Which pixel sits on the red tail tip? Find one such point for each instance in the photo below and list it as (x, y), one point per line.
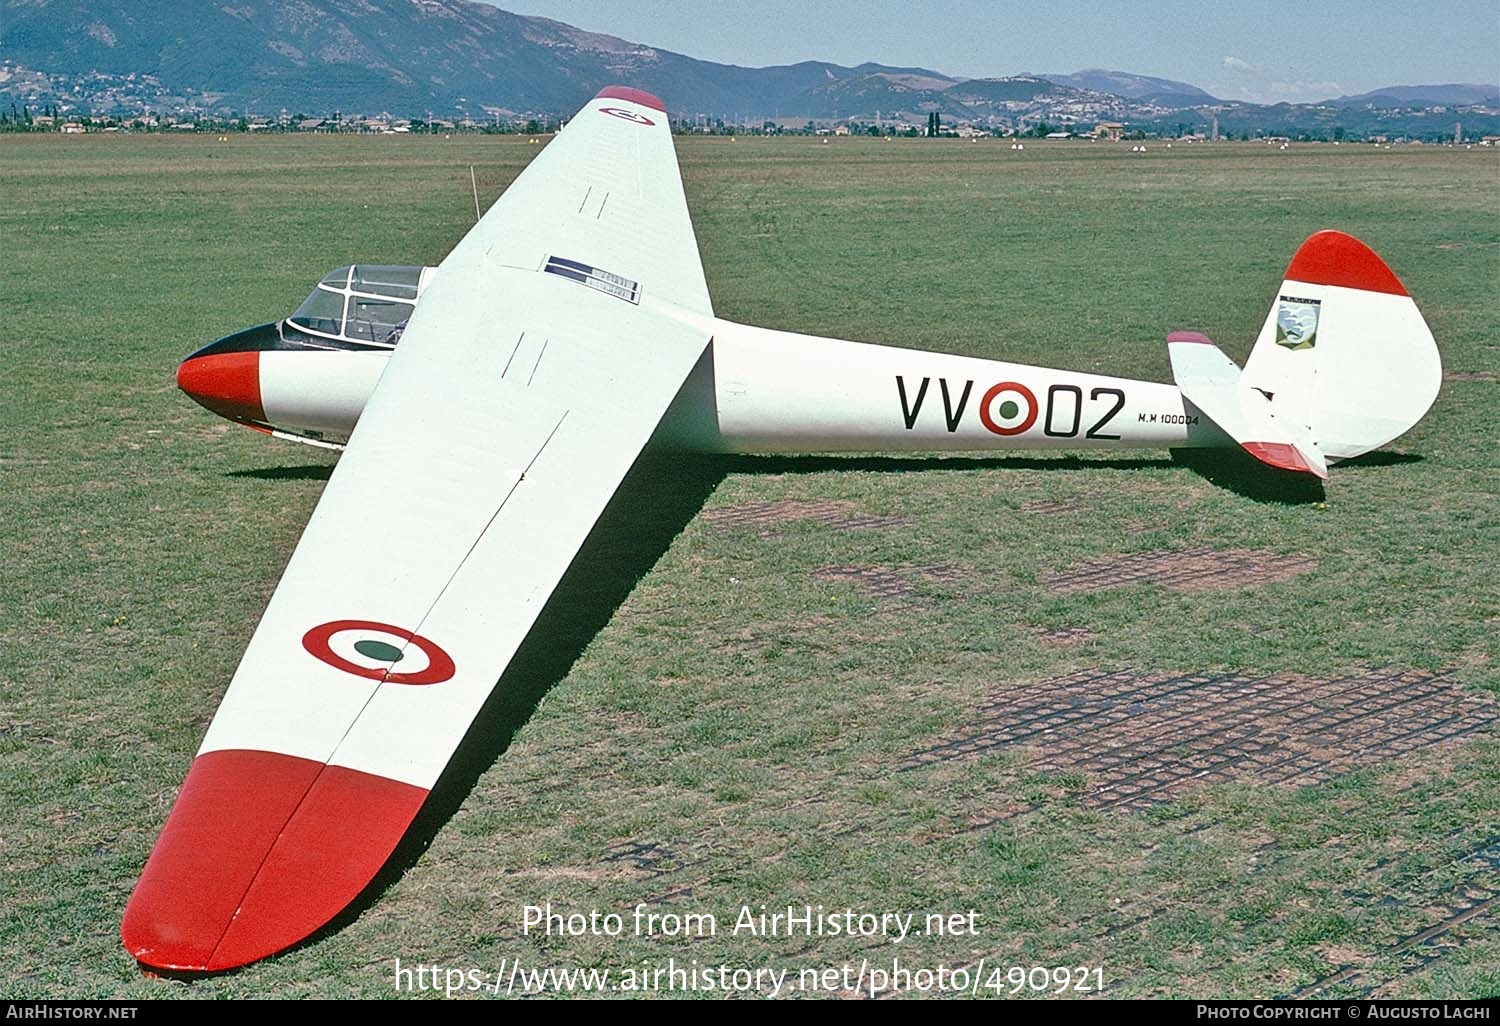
(640, 96)
(1334, 258)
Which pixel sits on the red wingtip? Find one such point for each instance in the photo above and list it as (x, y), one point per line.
(1283, 456)
(619, 92)
(1196, 338)
(1334, 258)
(260, 850)
(225, 383)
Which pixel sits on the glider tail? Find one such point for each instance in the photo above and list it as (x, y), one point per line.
(1343, 364)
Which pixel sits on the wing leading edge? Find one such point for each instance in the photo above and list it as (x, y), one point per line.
(498, 433)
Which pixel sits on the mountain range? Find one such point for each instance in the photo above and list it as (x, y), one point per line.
(1452, 94)
(462, 57)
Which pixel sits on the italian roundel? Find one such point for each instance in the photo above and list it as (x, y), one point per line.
(1008, 408)
(379, 651)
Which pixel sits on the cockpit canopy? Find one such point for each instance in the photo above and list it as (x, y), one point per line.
(366, 303)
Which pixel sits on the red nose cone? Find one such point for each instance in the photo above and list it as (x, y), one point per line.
(226, 383)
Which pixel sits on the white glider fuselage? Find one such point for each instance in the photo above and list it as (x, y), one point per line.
(778, 391)
(759, 390)
(1343, 363)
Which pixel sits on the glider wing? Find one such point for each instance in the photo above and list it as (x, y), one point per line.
(534, 369)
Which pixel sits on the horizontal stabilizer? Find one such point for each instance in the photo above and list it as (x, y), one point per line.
(1212, 382)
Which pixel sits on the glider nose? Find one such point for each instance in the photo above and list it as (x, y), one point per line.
(225, 383)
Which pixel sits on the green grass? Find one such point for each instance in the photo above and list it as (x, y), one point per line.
(731, 707)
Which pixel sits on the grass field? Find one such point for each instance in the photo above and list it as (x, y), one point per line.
(1207, 782)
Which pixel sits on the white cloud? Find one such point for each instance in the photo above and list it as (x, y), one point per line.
(1260, 86)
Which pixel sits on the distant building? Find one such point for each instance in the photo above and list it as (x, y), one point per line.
(1111, 131)
(72, 128)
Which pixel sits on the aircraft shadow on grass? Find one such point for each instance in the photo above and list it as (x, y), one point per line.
(1382, 458)
(1249, 478)
(1242, 474)
(658, 499)
(304, 472)
(1225, 465)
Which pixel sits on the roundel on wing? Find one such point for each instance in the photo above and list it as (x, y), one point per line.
(627, 115)
(1008, 408)
(379, 651)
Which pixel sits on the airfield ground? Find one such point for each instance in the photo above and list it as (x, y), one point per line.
(1213, 735)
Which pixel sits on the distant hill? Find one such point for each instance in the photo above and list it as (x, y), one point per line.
(1008, 90)
(877, 91)
(1452, 94)
(406, 55)
(458, 57)
(1135, 87)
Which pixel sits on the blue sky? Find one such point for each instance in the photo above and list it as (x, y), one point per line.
(1251, 49)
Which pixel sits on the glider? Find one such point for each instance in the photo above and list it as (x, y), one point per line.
(490, 407)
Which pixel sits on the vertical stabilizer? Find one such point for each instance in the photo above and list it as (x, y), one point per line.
(1344, 352)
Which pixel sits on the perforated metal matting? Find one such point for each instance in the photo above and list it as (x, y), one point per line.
(1142, 739)
(1066, 635)
(1046, 507)
(1199, 569)
(842, 515)
(646, 856)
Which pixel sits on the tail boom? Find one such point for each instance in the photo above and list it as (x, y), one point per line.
(775, 391)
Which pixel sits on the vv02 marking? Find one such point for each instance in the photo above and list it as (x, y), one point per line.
(1018, 409)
